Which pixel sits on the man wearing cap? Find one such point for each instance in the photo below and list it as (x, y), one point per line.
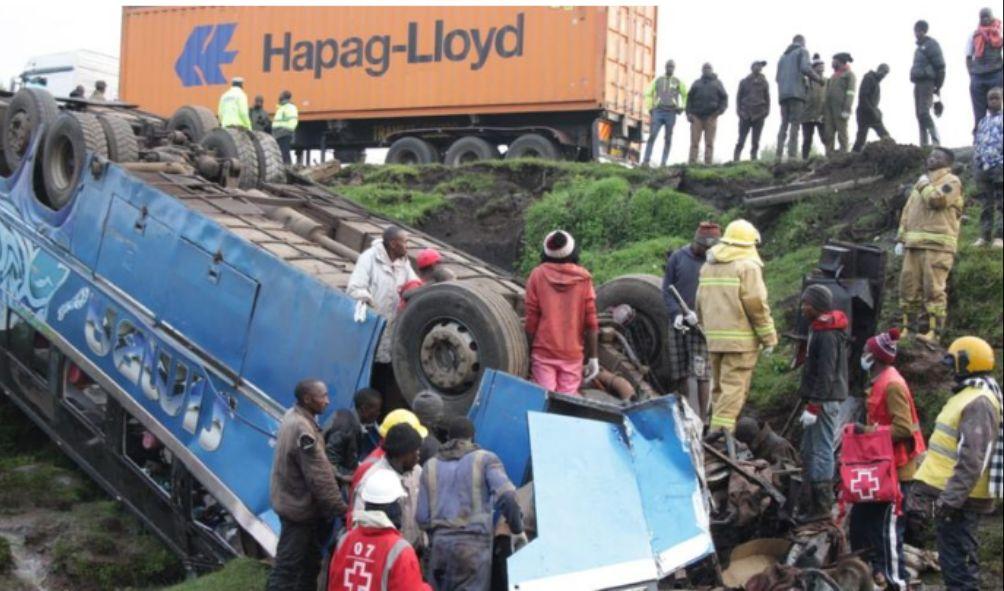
(706, 101)
(259, 117)
(875, 528)
(927, 239)
(868, 114)
(815, 97)
(793, 69)
(353, 433)
(430, 267)
(284, 124)
(560, 319)
(732, 308)
(374, 555)
(823, 388)
(665, 98)
(927, 74)
(688, 347)
(752, 106)
(840, 90)
(233, 107)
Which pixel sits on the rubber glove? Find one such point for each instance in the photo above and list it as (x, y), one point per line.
(808, 418)
(591, 370)
(360, 314)
(898, 250)
(767, 351)
(691, 318)
(678, 323)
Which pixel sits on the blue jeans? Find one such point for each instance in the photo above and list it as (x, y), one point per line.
(958, 551)
(818, 442)
(979, 86)
(661, 119)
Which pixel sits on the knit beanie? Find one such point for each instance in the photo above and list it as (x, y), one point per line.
(428, 407)
(559, 244)
(883, 346)
(708, 233)
(819, 297)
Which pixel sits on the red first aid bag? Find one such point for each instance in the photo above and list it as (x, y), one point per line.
(868, 468)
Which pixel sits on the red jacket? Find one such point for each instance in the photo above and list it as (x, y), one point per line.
(374, 558)
(560, 305)
(878, 413)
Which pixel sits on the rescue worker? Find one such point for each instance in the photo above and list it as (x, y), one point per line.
(988, 168)
(706, 101)
(876, 528)
(687, 345)
(376, 281)
(868, 114)
(393, 418)
(99, 91)
(927, 75)
(374, 554)
(461, 489)
(353, 433)
(812, 120)
(259, 117)
(823, 388)
(665, 98)
(840, 90)
(752, 106)
(284, 124)
(430, 267)
(560, 319)
(792, 91)
(961, 475)
(428, 407)
(233, 107)
(303, 492)
(984, 61)
(927, 239)
(732, 307)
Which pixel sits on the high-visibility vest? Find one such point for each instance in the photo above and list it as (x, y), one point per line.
(233, 109)
(878, 412)
(286, 117)
(942, 447)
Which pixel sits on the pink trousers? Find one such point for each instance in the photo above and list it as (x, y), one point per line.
(557, 375)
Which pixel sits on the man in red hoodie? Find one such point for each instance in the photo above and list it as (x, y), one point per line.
(561, 324)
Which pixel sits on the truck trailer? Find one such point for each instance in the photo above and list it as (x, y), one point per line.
(432, 84)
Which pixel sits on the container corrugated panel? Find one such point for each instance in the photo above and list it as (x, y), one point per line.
(364, 62)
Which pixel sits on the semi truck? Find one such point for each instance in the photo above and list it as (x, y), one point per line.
(431, 84)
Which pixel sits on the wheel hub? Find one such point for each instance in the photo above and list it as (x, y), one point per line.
(19, 132)
(449, 356)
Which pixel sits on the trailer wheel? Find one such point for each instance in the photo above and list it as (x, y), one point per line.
(195, 121)
(27, 111)
(648, 333)
(227, 143)
(122, 143)
(412, 150)
(470, 149)
(67, 142)
(446, 337)
(532, 145)
(270, 167)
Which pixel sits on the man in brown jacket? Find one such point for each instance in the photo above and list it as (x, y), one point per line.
(927, 240)
(303, 492)
(812, 119)
(840, 90)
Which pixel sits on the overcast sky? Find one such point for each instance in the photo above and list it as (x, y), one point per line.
(729, 34)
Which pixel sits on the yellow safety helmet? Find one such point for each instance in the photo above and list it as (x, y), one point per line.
(741, 233)
(969, 355)
(401, 415)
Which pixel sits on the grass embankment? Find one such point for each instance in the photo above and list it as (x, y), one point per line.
(240, 574)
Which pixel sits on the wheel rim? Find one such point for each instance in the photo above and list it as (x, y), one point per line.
(19, 132)
(449, 356)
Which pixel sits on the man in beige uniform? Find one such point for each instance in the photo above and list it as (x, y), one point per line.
(927, 239)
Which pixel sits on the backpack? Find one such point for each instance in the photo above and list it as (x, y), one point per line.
(868, 469)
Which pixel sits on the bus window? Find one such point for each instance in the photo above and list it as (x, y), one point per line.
(210, 515)
(30, 354)
(82, 394)
(147, 454)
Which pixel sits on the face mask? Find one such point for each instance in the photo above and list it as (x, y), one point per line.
(867, 361)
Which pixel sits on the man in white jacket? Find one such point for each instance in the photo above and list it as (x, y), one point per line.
(377, 279)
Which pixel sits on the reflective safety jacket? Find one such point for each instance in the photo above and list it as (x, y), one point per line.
(666, 93)
(285, 120)
(931, 217)
(374, 556)
(233, 109)
(732, 301)
(890, 404)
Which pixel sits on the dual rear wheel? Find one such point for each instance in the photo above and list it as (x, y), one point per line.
(471, 148)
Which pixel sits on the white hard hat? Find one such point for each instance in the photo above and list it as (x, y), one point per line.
(382, 488)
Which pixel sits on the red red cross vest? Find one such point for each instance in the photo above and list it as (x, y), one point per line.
(374, 559)
(878, 413)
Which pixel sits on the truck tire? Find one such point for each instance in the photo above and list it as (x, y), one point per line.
(448, 334)
(412, 150)
(28, 110)
(470, 149)
(67, 142)
(122, 143)
(648, 333)
(532, 145)
(233, 143)
(195, 121)
(270, 167)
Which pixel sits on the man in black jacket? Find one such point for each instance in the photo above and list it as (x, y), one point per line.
(353, 434)
(706, 100)
(868, 114)
(927, 75)
(823, 388)
(752, 106)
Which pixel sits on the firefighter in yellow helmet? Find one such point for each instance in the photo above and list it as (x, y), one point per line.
(732, 307)
(961, 473)
(927, 238)
(233, 108)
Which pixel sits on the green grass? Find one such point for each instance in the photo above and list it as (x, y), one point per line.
(403, 204)
(240, 574)
(6, 557)
(742, 171)
(26, 482)
(646, 256)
